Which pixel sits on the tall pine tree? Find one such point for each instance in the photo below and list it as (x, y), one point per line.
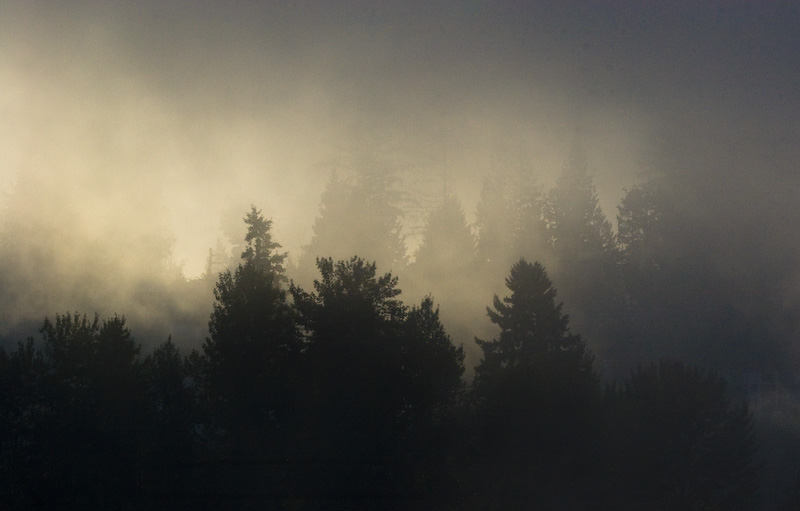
(250, 359)
(534, 332)
(536, 396)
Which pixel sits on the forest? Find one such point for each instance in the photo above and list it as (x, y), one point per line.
(399, 255)
(610, 369)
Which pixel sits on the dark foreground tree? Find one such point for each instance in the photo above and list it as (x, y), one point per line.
(381, 378)
(246, 376)
(172, 413)
(677, 442)
(535, 401)
(533, 330)
(79, 418)
(22, 413)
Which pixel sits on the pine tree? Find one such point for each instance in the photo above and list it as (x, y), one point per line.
(492, 221)
(359, 217)
(535, 398)
(578, 229)
(534, 332)
(640, 227)
(678, 442)
(250, 358)
(171, 443)
(509, 220)
(445, 266)
(260, 250)
(95, 400)
(380, 378)
(584, 252)
(445, 260)
(447, 243)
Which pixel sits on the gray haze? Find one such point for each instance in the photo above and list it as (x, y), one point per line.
(144, 129)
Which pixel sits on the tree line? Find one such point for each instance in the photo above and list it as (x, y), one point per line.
(660, 282)
(342, 396)
(664, 278)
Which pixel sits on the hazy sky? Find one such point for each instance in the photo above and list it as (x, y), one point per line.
(171, 116)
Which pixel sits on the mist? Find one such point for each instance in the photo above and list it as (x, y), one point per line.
(135, 136)
(124, 124)
(139, 134)
(188, 112)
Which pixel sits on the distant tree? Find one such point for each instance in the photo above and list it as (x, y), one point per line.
(530, 234)
(652, 277)
(447, 250)
(680, 302)
(536, 396)
(360, 216)
(380, 376)
(576, 224)
(509, 220)
(679, 442)
(585, 256)
(445, 266)
(492, 221)
(383, 216)
(641, 228)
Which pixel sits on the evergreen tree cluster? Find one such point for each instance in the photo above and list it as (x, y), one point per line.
(346, 398)
(639, 292)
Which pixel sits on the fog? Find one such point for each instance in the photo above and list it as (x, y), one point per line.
(176, 114)
(134, 136)
(646, 154)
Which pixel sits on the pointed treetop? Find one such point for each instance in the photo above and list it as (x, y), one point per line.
(533, 329)
(261, 250)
